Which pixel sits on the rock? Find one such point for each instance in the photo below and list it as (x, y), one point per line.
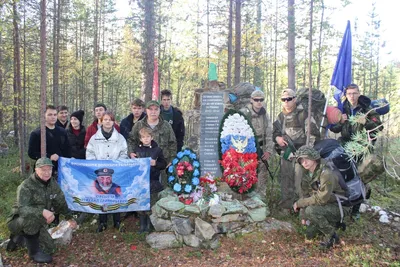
(254, 202)
(226, 227)
(171, 205)
(62, 233)
(163, 240)
(160, 225)
(233, 207)
(384, 219)
(203, 230)
(216, 211)
(376, 208)
(1, 261)
(258, 215)
(4, 244)
(223, 187)
(274, 224)
(396, 219)
(191, 241)
(160, 212)
(382, 212)
(191, 209)
(226, 218)
(211, 244)
(182, 226)
(249, 228)
(167, 192)
(363, 208)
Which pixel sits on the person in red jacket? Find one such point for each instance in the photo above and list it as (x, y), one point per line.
(99, 110)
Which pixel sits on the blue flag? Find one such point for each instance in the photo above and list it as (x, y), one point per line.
(105, 186)
(342, 75)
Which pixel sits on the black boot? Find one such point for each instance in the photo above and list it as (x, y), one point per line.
(334, 239)
(143, 223)
(101, 227)
(149, 226)
(15, 242)
(34, 251)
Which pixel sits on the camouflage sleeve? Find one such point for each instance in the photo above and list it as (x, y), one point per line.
(314, 129)
(269, 143)
(170, 153)
(373, 121)
(133, 138)
(26, 209)
(323, 194)
(275, 131)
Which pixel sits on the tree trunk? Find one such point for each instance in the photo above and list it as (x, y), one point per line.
(96, 54)
(56, 52)
(230, 31)
(275, 55)
(257, 80)
(238, 32)
(148, 48)
(310, 73)
(320, 46)
(291, 46)
(208, 33)
(1, 83)
(43, 77)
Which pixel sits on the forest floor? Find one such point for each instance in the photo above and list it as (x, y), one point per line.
(366, 242)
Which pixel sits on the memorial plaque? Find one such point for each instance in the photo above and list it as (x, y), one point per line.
(212, 111)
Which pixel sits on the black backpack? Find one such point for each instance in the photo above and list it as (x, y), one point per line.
(340, 163)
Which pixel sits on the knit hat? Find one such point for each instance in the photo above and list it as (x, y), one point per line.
(258, 93)
(78, 114)
(152, 103)
(43, 162)
(307, 152)
(289, 92)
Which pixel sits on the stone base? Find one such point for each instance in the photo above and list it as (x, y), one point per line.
(201, 226)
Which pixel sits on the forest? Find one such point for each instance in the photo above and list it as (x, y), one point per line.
(78, 53)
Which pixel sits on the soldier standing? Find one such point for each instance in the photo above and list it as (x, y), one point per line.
(290, 133)
(261, 123)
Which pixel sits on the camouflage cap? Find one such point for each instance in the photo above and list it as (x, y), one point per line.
(289, 92)
(258, 93)
(307, 152)
(152, 103)
(43, 162)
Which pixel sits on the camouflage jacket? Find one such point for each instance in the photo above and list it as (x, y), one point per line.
(294, 125)
(262, 127)
(33, 197)
(162, 134)
(363, 106)
(318, 187)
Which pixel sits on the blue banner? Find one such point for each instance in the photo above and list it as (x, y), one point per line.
(105, 186)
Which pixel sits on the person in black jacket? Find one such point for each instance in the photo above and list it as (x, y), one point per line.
(174, 116)
(137, 107)
(76, 135)
(57, 144)
(62, 116)
(149, 148)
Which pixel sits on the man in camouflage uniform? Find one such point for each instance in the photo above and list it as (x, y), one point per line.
(291, 125)
(163, 134)
(259, 119)
(38, 198)
(318, 204)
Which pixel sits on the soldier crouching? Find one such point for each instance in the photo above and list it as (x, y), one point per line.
(38, 198)
(318, 204)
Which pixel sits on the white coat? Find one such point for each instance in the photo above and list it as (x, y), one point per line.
(99, 148)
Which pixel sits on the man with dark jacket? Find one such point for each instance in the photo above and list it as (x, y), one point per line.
(173, 116)
(62, 116)
(137, 108)
(38, 198)
(57, 144)
(356, 104)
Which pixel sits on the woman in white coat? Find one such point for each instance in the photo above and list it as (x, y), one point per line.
(107, 144)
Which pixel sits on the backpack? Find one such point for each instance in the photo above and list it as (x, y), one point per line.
(317, 104)
(340, 163)
(242, 91)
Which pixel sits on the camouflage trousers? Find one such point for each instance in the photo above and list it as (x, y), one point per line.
(261, 187)
(290, 179)
(31, 226)
(324, 218)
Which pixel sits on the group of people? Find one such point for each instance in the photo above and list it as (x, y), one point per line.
(308, 182)
(152, 130)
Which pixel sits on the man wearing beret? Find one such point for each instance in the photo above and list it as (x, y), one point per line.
(38, 198)
(259, 118)
(319, 184)
(104, 184)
